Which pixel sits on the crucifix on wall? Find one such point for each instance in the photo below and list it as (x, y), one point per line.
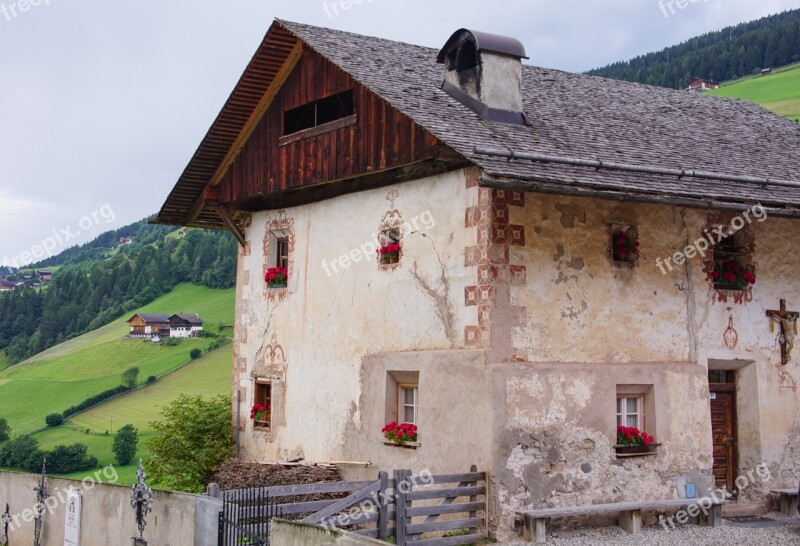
(788, 322)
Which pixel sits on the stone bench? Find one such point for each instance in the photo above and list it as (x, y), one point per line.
(630, 514)
(788, 499)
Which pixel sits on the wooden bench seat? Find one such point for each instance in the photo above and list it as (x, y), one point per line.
(630, 514)
(788, 500)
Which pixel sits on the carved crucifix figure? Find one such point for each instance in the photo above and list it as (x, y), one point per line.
(788, 322)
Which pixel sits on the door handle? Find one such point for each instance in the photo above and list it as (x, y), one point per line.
(730, 441)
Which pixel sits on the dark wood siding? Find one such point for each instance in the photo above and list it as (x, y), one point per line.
(381, 139)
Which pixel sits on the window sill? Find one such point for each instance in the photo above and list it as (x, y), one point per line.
(318, 130)
(408, 445)
(652, 451)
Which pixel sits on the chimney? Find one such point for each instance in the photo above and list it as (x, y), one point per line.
(484, 72)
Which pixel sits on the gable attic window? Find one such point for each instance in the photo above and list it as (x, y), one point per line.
(318, 117)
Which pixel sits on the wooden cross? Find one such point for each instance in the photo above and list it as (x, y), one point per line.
(788, 321)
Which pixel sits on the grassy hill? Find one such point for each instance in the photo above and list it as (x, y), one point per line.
(779, 91)
(207, 376)
(70, 372)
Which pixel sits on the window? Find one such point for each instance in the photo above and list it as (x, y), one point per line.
(282, 252)
(731, 267)
(630, 411)
(407, 404)
(318, 112)
(263, 396)
(402, 397)
(624, 244)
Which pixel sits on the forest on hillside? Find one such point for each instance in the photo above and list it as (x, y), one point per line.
(100, 281)
(718, 56)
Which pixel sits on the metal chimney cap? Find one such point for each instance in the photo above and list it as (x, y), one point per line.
(484, 41)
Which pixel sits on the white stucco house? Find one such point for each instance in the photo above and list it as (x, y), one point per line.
(516, 259)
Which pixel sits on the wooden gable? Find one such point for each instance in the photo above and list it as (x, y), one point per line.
(374, 144)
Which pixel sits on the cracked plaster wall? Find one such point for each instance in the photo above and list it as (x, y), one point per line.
(326, 324)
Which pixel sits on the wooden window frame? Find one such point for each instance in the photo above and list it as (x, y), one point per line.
(282, 252)
(263, 385)
(402, 405)
(640, 410)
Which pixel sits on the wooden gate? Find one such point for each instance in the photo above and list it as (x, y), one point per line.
(427, 509)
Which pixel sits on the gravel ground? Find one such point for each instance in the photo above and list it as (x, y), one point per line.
(727, 535)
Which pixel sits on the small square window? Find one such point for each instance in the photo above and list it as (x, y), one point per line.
(630, 411)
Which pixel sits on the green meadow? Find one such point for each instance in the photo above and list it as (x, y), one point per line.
(779, 91)
(69, 373)
(207, 376)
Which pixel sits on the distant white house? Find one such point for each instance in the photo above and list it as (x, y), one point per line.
(185, 326)
(156, 325)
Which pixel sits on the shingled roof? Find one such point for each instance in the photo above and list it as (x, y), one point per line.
(586, 135)
(589, 118)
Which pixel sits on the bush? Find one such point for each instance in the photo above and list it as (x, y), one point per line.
(130, 377)
(68, 459)
(23, 453)
(125, 442)
(94, 400)
(54, 420)
(151, 379)
(191, 441)
(170, 342)
(195, 353)
(5, 431)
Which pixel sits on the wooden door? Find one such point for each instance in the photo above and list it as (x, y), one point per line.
(723, 430)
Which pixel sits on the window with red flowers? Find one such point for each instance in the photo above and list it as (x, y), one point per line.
(635, 408)
(391, 247)
(261, 412)
(624, 245)
(732, 267)
(402, 397)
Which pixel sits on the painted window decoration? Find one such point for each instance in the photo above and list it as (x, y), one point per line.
(732, 267)
(277, 274)
(624, 245)
(390, 249)
(261, 412)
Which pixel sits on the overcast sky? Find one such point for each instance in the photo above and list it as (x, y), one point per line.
(104, 102)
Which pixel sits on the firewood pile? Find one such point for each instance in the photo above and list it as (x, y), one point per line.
(236, 474)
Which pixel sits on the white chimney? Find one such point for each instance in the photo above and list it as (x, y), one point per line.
(484, 72)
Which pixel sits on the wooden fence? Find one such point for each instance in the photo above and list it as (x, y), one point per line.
(430, 510)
